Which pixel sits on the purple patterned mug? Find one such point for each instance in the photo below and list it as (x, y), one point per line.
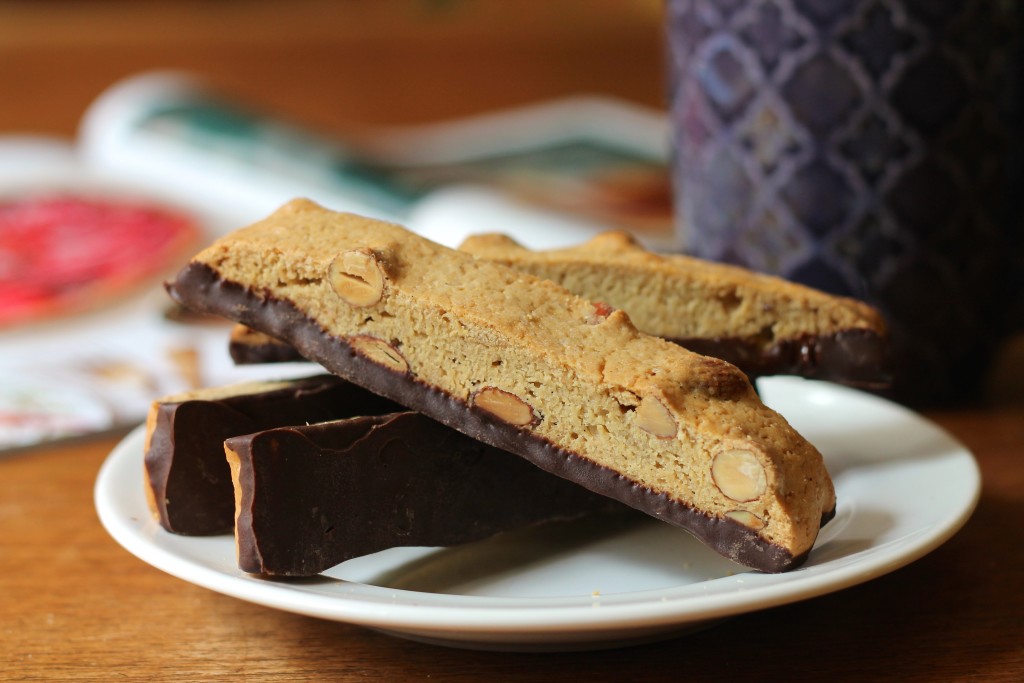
(861, 147)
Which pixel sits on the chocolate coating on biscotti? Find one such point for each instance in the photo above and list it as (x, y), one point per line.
(855, 357)
(199, 286)
(249, 347)
(312, 497)
(188, 481)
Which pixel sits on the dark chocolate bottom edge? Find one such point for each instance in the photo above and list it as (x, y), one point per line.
(243, 353)
(855, 357)
(200, 287)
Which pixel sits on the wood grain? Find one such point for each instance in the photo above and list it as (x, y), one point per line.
(331, 64)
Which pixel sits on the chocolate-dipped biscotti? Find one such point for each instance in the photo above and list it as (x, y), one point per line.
(762, 324)
(311, 497)
(188, 484)
(522, 364)
(246, 346)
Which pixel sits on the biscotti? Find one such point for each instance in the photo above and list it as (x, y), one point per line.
(764, 325)
(249, 347)
(522, 364)
(188, 484)
(310, 497)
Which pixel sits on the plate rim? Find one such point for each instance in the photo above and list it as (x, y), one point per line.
(400, 610)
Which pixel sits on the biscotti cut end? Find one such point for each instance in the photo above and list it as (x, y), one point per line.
(521, 363)
(187, 480)
(174, 462)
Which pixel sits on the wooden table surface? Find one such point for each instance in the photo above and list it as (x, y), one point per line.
(75, 606)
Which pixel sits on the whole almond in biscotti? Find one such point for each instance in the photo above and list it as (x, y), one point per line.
(520, 363)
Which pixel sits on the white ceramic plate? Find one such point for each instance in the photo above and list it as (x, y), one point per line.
(903, 485)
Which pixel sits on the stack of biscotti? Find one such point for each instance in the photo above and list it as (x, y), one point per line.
(302, 498)
(762, 324)
(188, 483)
(520, 363)
(312, 496)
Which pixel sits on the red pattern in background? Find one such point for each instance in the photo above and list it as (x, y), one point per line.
(62, 254)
